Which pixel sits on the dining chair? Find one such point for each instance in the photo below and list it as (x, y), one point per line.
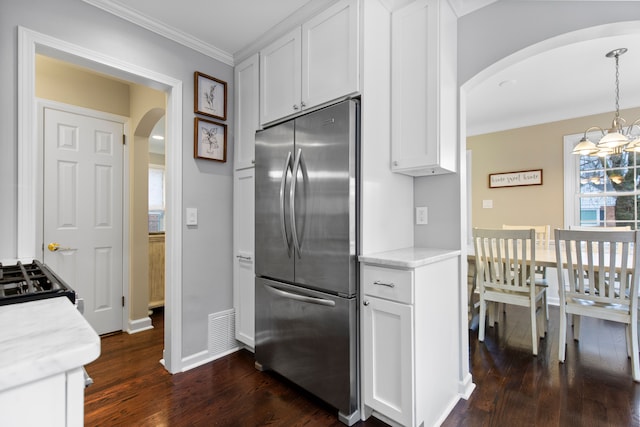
(543, 238)
(596, 228)
(597, 278)
(575, 320)
(543, 232)
(471, 288)
(505, 265)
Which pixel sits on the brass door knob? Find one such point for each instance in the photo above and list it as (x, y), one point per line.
(54, 247)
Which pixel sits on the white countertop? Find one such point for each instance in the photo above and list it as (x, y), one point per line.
(408, 257)
(43, 338)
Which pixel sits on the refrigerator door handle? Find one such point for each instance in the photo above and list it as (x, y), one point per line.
(283, 182)
(298, 297)
(299, 164)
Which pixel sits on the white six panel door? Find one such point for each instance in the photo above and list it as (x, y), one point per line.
(83, 161)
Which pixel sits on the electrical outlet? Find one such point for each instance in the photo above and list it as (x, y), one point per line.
(421, 215)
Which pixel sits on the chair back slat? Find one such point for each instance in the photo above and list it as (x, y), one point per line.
(505, 259)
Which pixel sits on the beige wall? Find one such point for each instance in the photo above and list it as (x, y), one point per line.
(533, 147)
(59, 81)
(147, 107)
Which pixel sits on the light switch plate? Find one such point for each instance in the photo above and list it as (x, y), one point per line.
(192, 216)
(487, 204)
(421, 215)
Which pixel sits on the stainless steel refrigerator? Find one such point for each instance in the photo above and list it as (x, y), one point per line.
(306, 274)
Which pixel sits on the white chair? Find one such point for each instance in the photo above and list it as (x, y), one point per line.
(543, 232)
(543, 238)
(595, 228)
(597, 278)
(505, 265)
(576, 321)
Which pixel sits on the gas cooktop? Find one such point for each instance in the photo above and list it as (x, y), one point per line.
(33, 281)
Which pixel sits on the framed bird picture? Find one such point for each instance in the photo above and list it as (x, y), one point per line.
(210, 140)
(210, 96)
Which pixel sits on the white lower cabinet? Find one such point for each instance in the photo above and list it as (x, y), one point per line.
(388, 357)
(62, 407)
(243, 251)
(409, 342)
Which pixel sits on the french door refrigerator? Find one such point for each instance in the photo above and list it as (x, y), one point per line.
(306, 274)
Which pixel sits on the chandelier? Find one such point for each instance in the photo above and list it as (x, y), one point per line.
(616, 139)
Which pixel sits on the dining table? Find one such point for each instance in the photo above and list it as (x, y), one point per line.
(545, 257)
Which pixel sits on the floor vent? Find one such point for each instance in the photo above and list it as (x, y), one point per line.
(222, 332)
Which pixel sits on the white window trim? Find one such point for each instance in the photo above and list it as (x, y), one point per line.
(571, 165)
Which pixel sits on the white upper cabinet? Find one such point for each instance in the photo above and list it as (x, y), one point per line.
(246, 111)
(424, 82)
(280, 89)
(330, 54)
(311, 65)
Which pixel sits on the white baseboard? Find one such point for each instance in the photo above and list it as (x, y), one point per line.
(202, 358)
(139, 325)
(466, 386)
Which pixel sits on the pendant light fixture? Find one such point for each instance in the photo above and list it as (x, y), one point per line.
(617, 138)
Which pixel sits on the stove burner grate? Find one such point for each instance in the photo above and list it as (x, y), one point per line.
(26, 282)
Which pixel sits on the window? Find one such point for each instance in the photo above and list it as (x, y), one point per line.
(600, 191)
(156, 198)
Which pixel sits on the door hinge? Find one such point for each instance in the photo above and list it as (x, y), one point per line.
(124, 139)
(123, 300)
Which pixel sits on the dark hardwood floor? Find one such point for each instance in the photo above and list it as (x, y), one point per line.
(513, 388)
(131, 388)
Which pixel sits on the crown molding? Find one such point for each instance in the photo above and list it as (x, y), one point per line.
(162, 29)
(298, 17)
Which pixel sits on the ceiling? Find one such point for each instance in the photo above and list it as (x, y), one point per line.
(566, 82)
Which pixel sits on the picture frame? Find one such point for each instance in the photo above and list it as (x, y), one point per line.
(210, 140)
(210, 96)
(515, 179)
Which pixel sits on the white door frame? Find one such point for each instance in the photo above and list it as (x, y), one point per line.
(29, 171)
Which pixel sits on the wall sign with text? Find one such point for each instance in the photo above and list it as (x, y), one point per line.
(515, 179)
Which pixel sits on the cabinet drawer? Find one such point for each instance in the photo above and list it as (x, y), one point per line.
(388, 283)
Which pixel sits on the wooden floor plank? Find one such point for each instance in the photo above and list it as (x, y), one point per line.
(513, 388)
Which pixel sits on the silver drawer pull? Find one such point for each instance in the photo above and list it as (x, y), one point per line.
(390, 285)
(246, 258)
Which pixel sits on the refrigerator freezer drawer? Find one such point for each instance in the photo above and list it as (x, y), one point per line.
(310, 338)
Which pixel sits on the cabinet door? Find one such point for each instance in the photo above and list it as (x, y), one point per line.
(388, 359)
(246, 111)
(424, 96)
(330, 54)
(243, 262)
(412, 119)
(280, 77)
